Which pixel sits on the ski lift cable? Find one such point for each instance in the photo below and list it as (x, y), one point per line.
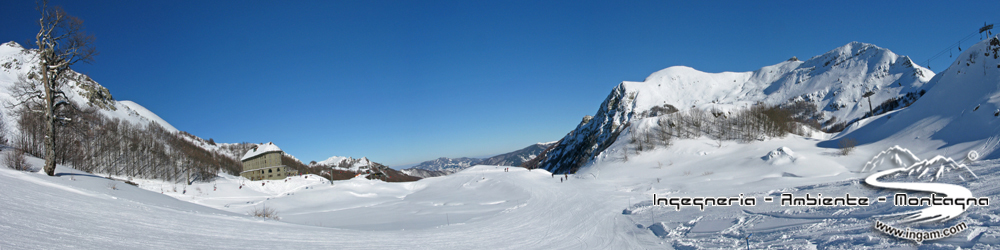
(952, 46)
(985, 28)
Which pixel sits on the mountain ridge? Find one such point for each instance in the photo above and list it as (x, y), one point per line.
(959, 114)
(445, 166)
(835, 81)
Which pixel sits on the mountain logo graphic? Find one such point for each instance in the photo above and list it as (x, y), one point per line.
(933, 176)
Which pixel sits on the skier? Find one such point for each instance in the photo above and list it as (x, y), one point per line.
(560, 180)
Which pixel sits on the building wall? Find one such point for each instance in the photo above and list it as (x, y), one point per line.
(265, 166)
(264, 160)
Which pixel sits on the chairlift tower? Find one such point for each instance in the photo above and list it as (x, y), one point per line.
(986, 28)
(868, 95)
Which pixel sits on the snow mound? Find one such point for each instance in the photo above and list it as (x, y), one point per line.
(780, 156)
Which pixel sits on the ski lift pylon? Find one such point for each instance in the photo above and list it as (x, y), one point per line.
(986, 27)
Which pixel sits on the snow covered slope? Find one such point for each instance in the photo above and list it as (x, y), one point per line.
(835, 81)
(422, 173)
(16, 63)
(607, 206)
(149, 115)
(957, 115)
(462, 211)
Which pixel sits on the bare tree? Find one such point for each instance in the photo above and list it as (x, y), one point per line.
(847, 145)
(15, 160)
(3, 130)
(61, 42)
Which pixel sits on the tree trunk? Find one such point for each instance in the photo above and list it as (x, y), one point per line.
(50, 121)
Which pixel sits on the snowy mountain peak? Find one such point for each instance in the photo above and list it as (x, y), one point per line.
(332, 160)
(856, 54)
(448, 165)
(672, 72)
(855, 48)
(345, 163)
(959, 108)
(17, 62)
(12, 44)
(835, 82)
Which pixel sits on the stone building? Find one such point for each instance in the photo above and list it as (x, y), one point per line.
(263, 162)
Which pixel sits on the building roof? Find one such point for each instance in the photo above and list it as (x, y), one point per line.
(259, 150)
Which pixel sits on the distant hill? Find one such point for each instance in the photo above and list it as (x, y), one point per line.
(445, 166)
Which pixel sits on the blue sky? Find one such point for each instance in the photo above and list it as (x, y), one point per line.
(406, 81)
